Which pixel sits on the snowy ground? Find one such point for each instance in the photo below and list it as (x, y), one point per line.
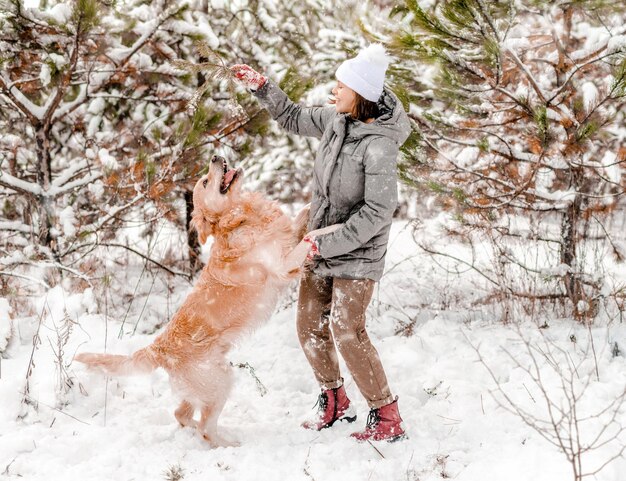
(123, 429)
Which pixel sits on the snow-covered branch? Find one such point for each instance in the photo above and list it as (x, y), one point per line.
(98, 79)
(55, 99)
(76, 184)
(16, 226)
(18, 185)
(69, 107)
(33, 112)
(112, 214)
(579, 69)
(528, 75)
(69, 173)
(28, 278)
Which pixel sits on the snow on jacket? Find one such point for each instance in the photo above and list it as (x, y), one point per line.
(354, 179)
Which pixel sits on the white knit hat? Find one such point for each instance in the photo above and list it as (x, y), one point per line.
(365, 73)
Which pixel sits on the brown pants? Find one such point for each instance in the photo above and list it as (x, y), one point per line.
(331, 311)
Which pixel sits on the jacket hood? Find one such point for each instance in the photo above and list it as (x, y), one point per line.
(392, 122)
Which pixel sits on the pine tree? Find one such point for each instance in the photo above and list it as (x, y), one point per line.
(78, 82)
(518, 127)
(94, 121)
(95, 128)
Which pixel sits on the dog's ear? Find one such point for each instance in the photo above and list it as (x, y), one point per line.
(203, 224)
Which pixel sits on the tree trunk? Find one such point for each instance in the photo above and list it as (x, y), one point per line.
(569, 244)
(44, 176)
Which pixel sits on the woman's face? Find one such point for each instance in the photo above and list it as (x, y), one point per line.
(344, 99)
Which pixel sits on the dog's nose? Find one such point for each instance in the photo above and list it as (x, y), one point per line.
(217, 158)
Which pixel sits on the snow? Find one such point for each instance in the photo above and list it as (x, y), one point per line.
(582, 306)
(37, 111)
(517, 43)
(204, 28)
(15, 226)
(467, 157)
(616, 44)
(61, 13)
(59, 60)
(108, 161)
(96, 106)
(143, 13)
(96, 189)
(267, 20)
(544, 179)
(44, 74)
(612, 167)
(590, 95)
(21, 185)
(67, 218)
(94, 126)
(123, 428)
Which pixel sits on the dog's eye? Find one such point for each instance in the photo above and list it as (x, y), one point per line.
(204, 182)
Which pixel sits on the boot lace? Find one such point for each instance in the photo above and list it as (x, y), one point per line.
(373, 418)
(322, 402)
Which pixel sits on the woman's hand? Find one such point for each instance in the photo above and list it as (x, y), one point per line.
(248, 77)
(313, 250)
(311, 239)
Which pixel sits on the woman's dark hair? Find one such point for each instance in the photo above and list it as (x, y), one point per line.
(364, 109)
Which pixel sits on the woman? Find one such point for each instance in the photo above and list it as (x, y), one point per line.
(354, 183)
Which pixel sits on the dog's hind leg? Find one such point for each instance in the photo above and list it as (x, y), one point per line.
(215, 398)
(208, 427)
(184, 414)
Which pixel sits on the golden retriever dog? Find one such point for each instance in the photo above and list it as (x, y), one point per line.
(257, 250)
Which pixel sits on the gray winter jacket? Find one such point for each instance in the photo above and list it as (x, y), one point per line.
(354, 179)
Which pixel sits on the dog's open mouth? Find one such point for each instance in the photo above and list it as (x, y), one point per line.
(229, 177)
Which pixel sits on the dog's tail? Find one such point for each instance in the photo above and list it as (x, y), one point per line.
(141, 362)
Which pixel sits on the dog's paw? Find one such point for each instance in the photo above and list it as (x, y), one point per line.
(216, 441)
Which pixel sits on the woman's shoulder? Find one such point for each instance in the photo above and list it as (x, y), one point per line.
(379, 146)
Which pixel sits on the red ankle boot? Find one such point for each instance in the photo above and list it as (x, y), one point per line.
(383, 424)
(334, 405)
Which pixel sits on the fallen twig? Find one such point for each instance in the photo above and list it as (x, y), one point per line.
(376, 449)
(262, 389)
(52, 407)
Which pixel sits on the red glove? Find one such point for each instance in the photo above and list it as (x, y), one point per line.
(314, 251)
(248, 77)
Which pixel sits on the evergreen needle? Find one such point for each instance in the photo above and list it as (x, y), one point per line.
(213, 69)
